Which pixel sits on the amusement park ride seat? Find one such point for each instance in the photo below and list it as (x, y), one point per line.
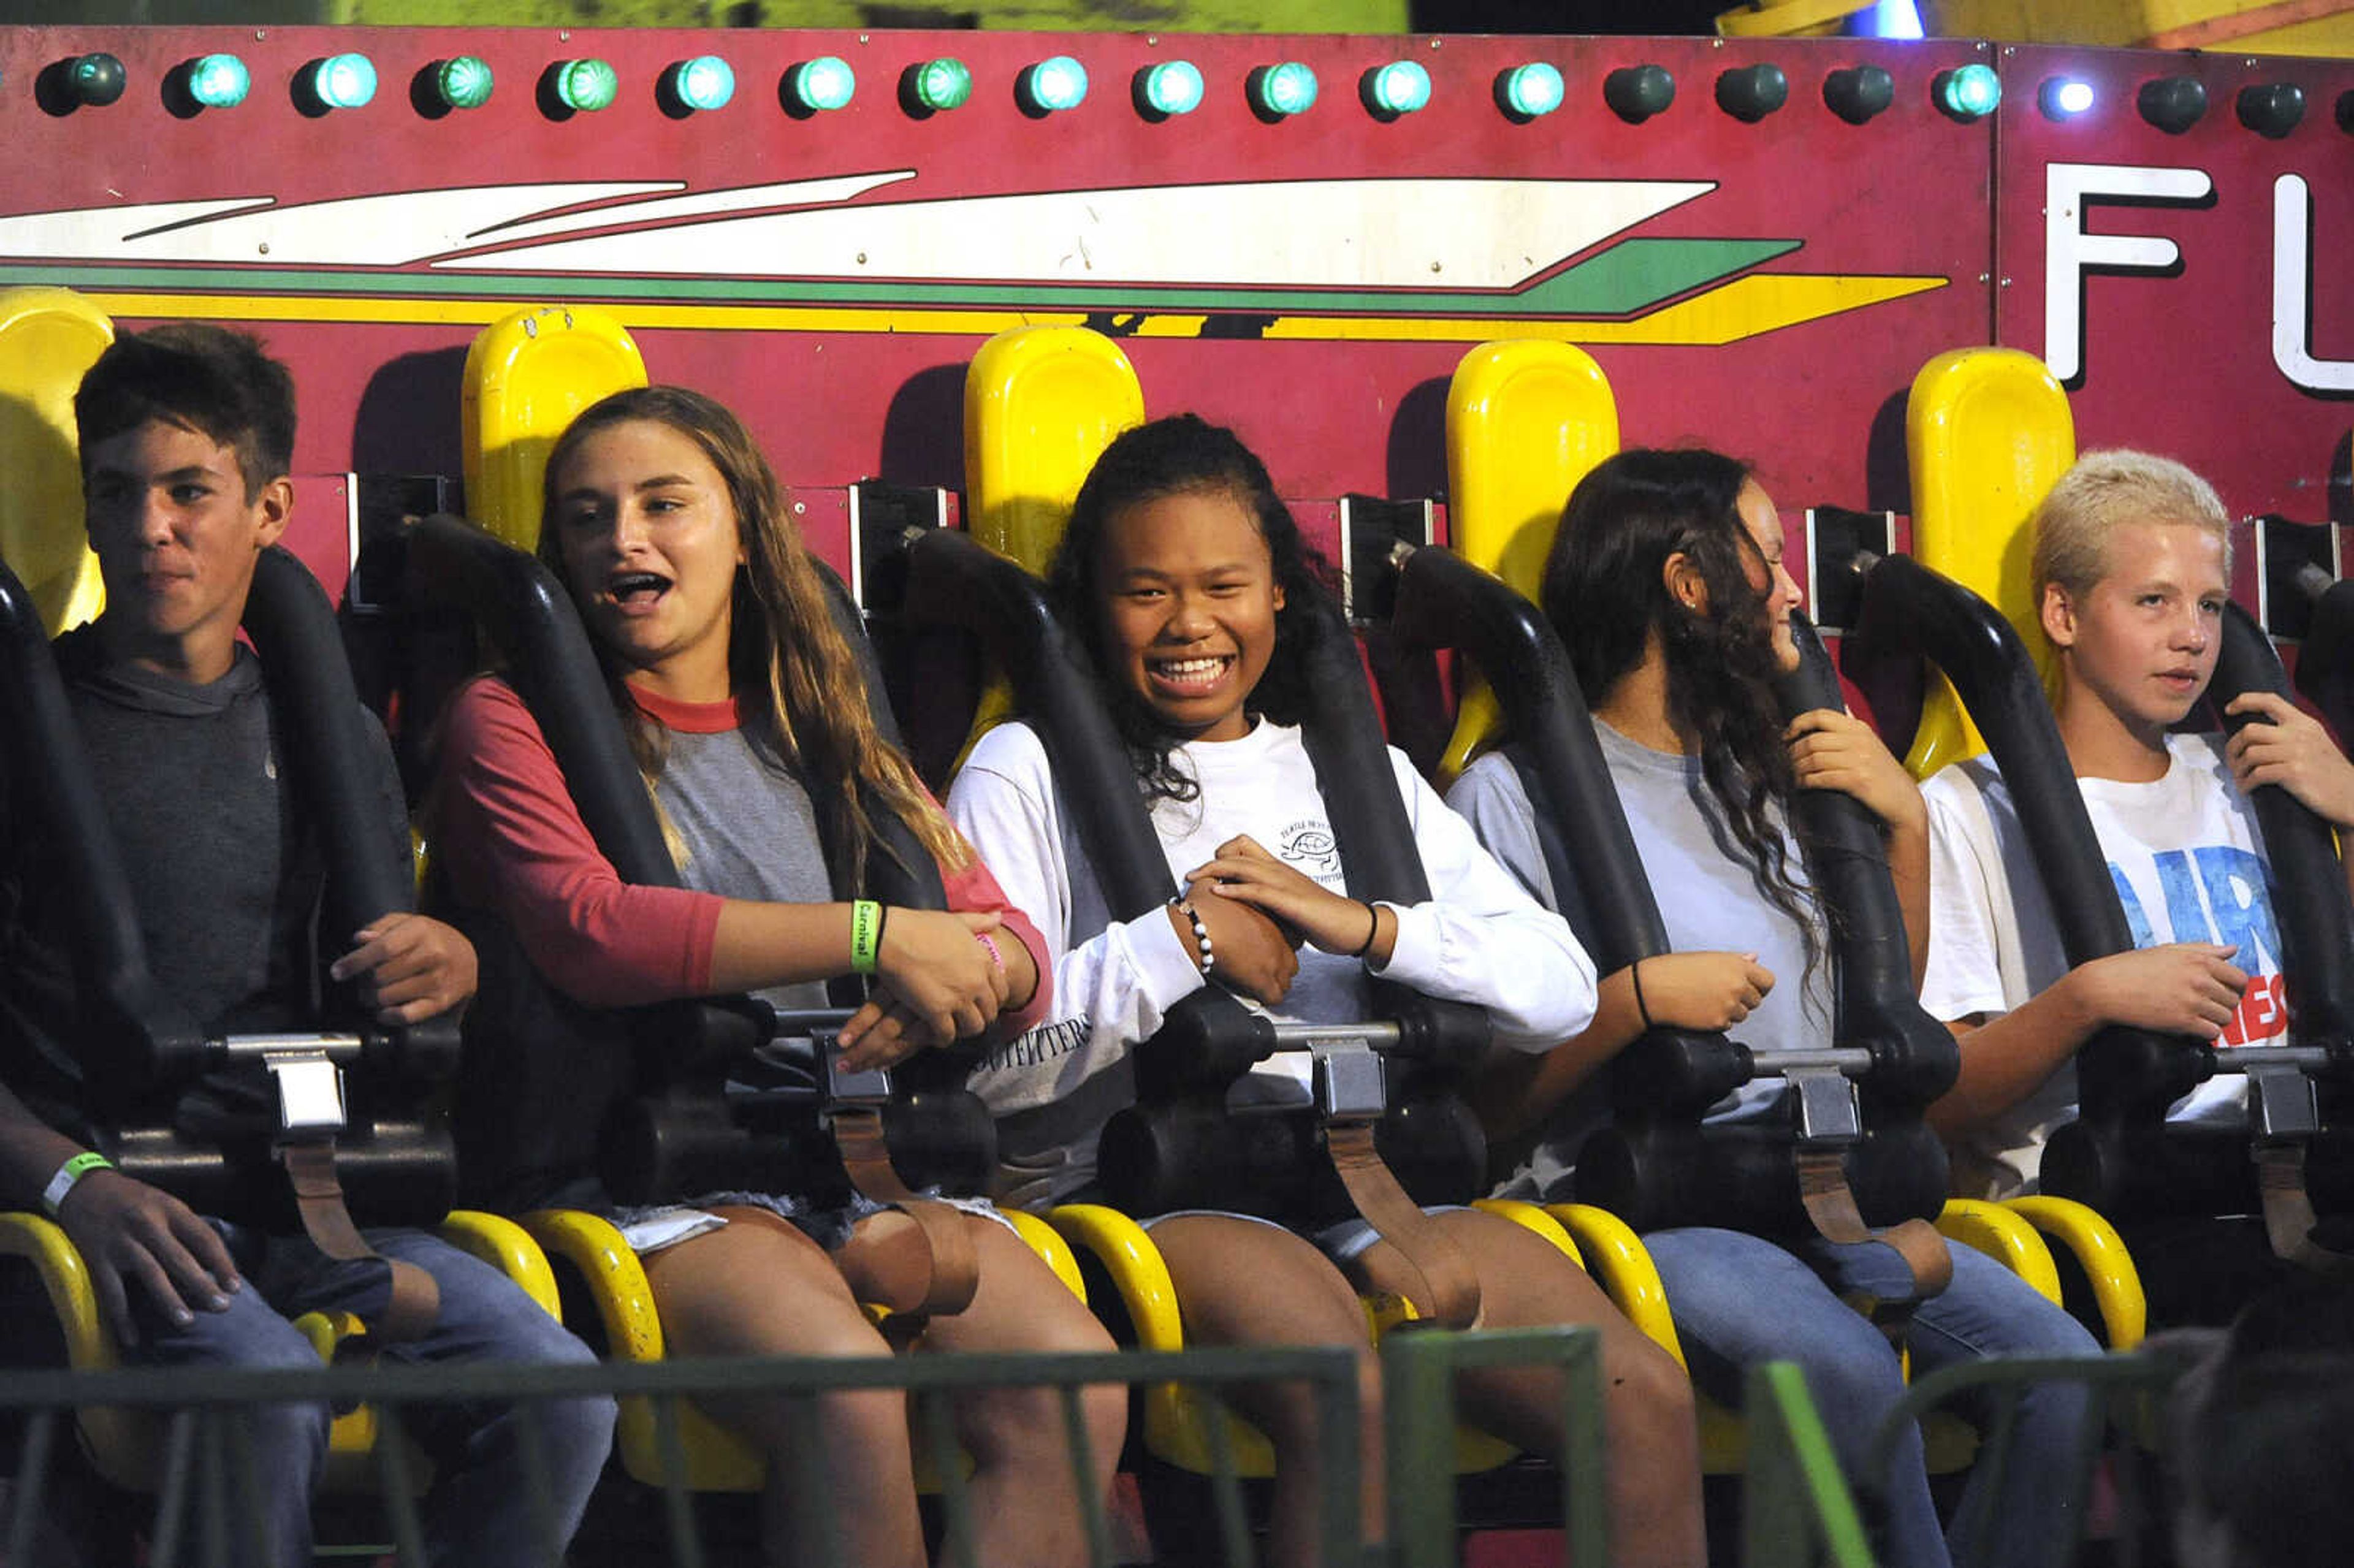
(1990, 432)
(681, 1124)
(390, 1149)
(1505, 400)
(1041, 405)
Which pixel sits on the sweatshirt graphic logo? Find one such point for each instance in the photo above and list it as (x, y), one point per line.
(2218, 893)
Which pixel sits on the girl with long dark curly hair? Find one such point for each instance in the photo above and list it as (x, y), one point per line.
(1185, 577)
(1667, 586)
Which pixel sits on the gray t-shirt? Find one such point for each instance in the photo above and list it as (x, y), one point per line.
(748, 829)
(1708, 901)
(224, 872)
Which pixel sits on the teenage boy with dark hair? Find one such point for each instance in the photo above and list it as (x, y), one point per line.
(2132, 567)
(186, 439)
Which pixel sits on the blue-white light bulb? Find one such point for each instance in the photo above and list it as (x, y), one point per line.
(220, 81)
(346, 81)
(1398, 88)
(1172, 88)
(1056, 83)
(705, 83)
(1531, 91)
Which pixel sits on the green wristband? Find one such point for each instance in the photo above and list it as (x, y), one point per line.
(53, 1196)
(865, 935)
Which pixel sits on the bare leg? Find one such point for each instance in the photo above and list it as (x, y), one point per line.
(762, 1288)
(1526, 1281)
(1242, 1283)
(1026, 1498)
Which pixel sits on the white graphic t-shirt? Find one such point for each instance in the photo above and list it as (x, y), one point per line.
(2184, 855)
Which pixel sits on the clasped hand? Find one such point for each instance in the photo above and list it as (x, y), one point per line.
(936, 983)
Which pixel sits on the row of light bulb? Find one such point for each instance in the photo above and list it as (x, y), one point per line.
(815, 86)
(1059, 84)
(1176, 87)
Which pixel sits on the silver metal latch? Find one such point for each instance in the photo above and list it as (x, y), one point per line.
(1829, 1109)
(309, 1091)
(866, 1088)
(2281, 1102)
(1347, 1080)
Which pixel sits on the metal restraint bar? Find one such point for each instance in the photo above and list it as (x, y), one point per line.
(308, 1072)
(1352, 1094)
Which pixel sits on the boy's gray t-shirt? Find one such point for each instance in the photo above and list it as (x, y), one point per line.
(225, 871)
(1708, 901)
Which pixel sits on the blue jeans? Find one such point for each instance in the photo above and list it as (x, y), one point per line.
(1739, 1299)
(478, 1512)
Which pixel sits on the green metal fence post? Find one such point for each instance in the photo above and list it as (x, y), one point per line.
(1797, 1508)
(1418, 1372)
(1418, 1440)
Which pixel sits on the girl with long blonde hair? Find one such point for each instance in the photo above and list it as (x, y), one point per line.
(744, 708)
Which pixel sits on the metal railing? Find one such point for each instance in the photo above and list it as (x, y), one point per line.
(1796, 1510)
(2124, 1395)
(1418, 1369)
(208, 1508)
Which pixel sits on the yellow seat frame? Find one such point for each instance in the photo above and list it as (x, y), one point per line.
(126, 1447)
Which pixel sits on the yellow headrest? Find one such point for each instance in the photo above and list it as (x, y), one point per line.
(48, 338)
(1989, 433)
(527, 376)
(1040, 406)
(1526, 421)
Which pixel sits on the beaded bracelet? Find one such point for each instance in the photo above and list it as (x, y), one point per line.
(1201, 932)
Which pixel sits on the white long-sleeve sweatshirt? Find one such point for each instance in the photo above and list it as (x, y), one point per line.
(1479, 938)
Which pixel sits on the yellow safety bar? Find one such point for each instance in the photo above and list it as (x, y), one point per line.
(2101, 1252)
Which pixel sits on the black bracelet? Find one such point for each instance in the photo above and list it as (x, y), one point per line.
(1372, 931)
(1635, 973)
(1200, 933)
(882, 918)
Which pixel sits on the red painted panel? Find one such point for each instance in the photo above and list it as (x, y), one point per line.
(318, 531)
(1905, 195)
(842, 383)
(2181, 362)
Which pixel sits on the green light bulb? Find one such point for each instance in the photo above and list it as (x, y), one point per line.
(943, 84)
(463, 82)
(99, 78)
(588, 85)
(1969, 92)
